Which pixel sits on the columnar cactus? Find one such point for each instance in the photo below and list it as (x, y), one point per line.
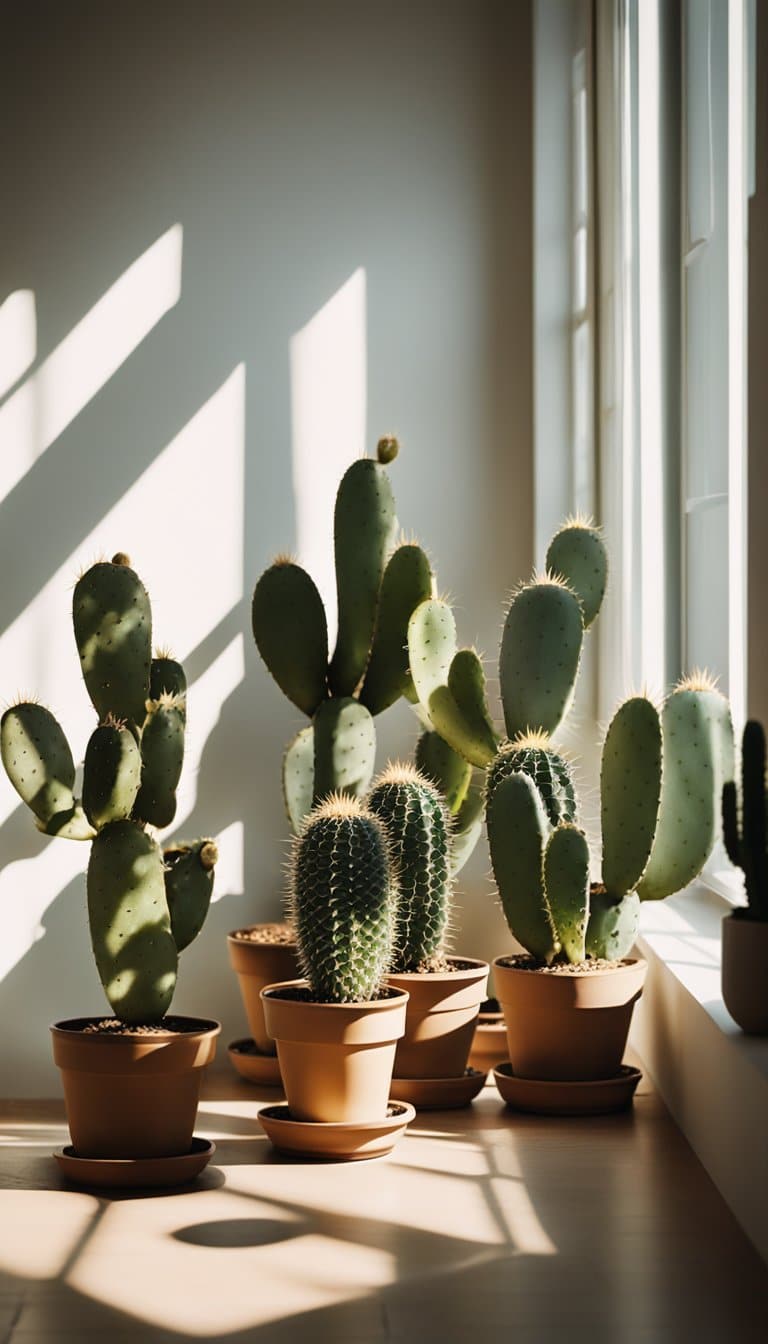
(343, 901)
(744, 821)
(417, 823)
(379, 585)
(144, 906)
(661, 778)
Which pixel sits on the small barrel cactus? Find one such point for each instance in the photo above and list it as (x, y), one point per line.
(343, 901)
(418, 827)
(144, 906)
(379, 585)
(745, 821)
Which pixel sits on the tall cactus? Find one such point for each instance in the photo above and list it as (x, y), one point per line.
(746, 835)
(343, 901)
(136, 905)
(378, 588)
(660, 783)
(418, 828)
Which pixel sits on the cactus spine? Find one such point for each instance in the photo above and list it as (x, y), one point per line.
(343, 899)
(132, 767)
(417, 824)
(745, 837)
(377, 592)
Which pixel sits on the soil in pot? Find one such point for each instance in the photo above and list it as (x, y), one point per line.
(567, 1022)
(260, 955)
(744, 977)
(132, 1092)
(443, 1003)
(335, 1058)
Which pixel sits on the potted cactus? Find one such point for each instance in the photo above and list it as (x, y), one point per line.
(660, 780)
(131, 1080)
(337, 1028)
(445, 992)
(379, 585)
(745, 930)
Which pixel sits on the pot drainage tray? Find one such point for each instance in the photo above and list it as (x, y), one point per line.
(135, 1172)
(253, 1065)
(544, 1097)
(440, 1094)
(351, 1142)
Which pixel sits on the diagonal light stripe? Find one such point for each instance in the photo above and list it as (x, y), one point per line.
(18, 337)
(40, 410)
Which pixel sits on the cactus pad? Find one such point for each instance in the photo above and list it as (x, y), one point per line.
(566, 881)
(450, 684)
(38, 760)
(113, 631)
(291, 633)
(188, 873)
(445, 767)
(630, 788)
(517, 832)
(364, 528)
(162, 757)
(111, 774)
(539, 656)
(299, 777)
(613, 925)
(407, 582)
(577, 553)
(345, 748)
(467, 829)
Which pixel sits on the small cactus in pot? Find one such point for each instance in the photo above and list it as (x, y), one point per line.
(745, 929)
(145, 904)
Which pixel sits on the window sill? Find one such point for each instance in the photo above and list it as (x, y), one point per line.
(713, 1078)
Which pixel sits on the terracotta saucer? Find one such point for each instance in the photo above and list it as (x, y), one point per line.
(335, 1142)
(440, 1094)
(136, 1172)
(596, 1097)
(253, 1065)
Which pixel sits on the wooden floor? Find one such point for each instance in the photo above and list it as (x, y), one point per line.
(604, 1230)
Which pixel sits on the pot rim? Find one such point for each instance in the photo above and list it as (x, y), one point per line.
(374, 1005)
(466, 972)
(626, 965)
(207, 1026)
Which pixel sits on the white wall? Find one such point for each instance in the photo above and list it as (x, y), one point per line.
(248, 161)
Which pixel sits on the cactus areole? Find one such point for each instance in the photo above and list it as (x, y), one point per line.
(145, 905)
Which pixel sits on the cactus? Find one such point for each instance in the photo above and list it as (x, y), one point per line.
(577, 554)
(111, 774)
(467, 828)
(539, 656)
(377, 593)
(417, 824)
(449, 771)
(746, 842)
(188, 873)
(343, 901)
(533, 754)
(651, 772)
(131, 770)
(450, 683)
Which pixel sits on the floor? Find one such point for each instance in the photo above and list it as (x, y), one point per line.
(604, 1230)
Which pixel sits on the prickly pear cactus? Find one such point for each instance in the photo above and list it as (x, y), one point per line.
(417, 824)
(131, 770)
(379, 586)
(343, 900)
(540, 654)
(578, 555)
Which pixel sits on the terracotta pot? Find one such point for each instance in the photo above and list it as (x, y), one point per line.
(440, 1019)
(256, 965)
(489, 1043)
(132, 1096)
(336, 1058)
(567, 1026)
(744, 978)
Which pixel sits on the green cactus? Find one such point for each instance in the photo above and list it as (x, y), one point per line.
(343, 901)
(417, 824)
(450, 683)
(345, 747)
(188, 874)
(746, 842)
(449, 771)
(518, 830)
(132, 766)
(698, 758)
(467, 829)
(291, 633)
(111, 774)
(539, 656)
(162, 758)
(407, 581)
(364, 527)
(566, 882)
(135, 951)
(613, 924)
(533, 754)
(578, 555)
(630, 789)
(113, 630)
(299, 777)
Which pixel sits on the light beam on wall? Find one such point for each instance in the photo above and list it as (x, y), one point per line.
(40, 410)
(18, 337)
(328, 411)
